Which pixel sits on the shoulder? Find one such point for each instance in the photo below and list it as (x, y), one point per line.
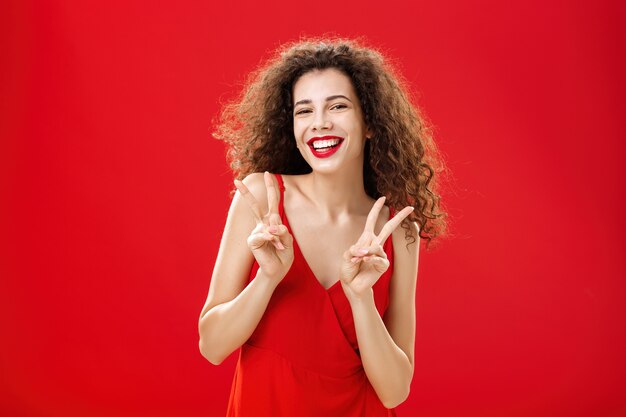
(253, 180)
(255, 183)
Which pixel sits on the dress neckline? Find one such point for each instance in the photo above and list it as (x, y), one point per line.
(296, 246)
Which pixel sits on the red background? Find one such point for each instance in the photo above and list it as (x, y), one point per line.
(114, 196)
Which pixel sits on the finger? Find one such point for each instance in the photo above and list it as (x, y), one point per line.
(273, 240)
(376, 250)
(277, 243)
(278, 229)
(249, 198)
(373, 249)
(380, 264)
(257, 240)
(372, 217)
(364, 240)
(356, 250)
(272, 199)
(349, 268)
(282, 233)
(391, 225)
(348, 256)
(273, 229)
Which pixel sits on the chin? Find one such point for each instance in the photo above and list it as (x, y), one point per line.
(324, 169)
(335, 167)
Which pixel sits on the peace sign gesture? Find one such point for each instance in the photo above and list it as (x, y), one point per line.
(270, 242)
(366, 261)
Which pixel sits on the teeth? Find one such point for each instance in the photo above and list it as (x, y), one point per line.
(318, 144)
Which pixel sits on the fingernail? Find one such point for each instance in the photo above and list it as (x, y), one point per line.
(273, 229)
(362, 251)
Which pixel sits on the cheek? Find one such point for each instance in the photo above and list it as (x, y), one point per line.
(351, 123)
(297, 129)
(297, 134)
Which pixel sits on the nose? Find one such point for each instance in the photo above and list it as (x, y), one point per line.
(321, 121)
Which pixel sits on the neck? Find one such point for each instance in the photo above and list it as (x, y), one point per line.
(338, 194)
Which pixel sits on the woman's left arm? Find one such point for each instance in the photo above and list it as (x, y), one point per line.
(386, 347)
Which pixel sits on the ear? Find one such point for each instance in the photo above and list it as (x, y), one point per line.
(368, 133)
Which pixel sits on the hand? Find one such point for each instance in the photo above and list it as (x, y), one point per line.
(270, 242)
(366, 261)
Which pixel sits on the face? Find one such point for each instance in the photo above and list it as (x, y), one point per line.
(328, 121)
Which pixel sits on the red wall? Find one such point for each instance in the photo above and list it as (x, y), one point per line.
(114, 196)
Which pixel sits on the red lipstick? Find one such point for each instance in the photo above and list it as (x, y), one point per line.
(331, 145)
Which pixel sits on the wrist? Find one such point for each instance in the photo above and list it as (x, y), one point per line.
(362, 298)
(267, 280)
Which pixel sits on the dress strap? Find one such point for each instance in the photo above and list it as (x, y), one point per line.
(279, 178)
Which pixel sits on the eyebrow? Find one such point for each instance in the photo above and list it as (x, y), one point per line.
(329, 98)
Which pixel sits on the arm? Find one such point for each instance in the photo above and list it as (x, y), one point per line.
(387, 347)
(233, 310)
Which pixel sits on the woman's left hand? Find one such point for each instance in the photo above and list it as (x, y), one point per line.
(366, 261)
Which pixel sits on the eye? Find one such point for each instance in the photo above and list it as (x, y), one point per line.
(302, 111)
(338, 106)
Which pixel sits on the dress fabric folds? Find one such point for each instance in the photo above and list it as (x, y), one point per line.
(303, 357)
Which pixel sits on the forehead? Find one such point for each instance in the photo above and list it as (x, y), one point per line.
(323, 83)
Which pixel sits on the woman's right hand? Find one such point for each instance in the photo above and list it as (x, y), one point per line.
(270, 241)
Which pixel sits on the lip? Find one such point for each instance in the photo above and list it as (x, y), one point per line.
(324, 154)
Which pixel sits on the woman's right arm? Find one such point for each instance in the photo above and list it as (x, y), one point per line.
(233, 309)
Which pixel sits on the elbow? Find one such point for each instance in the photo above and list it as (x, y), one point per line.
(208, 348)
(395, 396)
(210, 354)
(396, 400)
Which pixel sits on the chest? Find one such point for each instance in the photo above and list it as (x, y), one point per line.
(322, 245)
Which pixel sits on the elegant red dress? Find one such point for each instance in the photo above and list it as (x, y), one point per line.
(303, 358)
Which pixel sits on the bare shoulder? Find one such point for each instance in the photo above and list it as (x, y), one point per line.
(255, 183)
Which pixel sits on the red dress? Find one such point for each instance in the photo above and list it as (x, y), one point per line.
(303, 357)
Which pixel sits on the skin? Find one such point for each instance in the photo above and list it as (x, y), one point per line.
(330, 202)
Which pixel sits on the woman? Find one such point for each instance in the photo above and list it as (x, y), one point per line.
(314, 280)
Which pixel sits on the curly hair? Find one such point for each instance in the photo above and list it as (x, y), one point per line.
(401, 161)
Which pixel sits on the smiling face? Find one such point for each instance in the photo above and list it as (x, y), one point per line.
(328, 122)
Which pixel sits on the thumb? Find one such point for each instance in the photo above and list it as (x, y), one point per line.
(283, 234)
(349, 267)
(257, 240)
